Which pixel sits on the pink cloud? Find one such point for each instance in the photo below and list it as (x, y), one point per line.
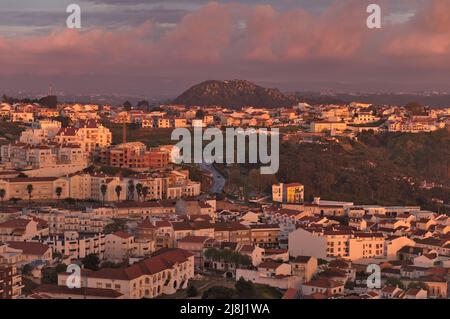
(427, 35)
(224, 36)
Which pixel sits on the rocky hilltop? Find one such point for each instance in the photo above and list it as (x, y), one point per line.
(233, 94)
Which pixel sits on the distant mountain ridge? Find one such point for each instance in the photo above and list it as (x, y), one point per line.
(234, 94)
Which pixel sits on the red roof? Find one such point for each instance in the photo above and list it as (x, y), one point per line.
(29, 248)
(161, 260)
(122, 234)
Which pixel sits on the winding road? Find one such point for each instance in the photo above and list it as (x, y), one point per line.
(218, 180)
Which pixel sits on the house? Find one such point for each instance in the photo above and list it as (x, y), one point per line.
(415, 293)
(426, 260)
(270, 268)
(32, 251)
(21, 229)
(324, 286)
(255, 253)
(437, 286)
(288, 193)
(304, 267)
(391, 292)
(278, 275)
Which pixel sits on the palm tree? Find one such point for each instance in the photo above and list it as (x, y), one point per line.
(145, 192)
(58, 192)
(2, 195)
(131, 189)
(104, 189)
(30, 191)
(118, 191)
(139, 190)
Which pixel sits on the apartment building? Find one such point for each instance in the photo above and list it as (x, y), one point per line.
(335, 243)
(293, 193)
(22, 229)
(43, 188)
(10, 281)
(40, 132)
(121, 245)
(76, 245)
(134, 155)
(328, 126)
(232, 232)
(265, 235)
(89, 134)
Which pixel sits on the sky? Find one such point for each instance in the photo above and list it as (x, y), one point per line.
(152, 47)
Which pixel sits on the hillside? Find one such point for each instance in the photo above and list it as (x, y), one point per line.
(233, 94)
(384, 169)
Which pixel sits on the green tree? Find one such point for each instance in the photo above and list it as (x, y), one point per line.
(212, 254)
(218, 292)
(104, 189)
(192, 291)
(91, 262)
(58, 192)
(131, 189)
(2, 195)
(50, 274)
(118, 192)
(395, 283)
(245, 289)
(26, 269)
(116, 226)
(128, 106)
(143, 105)
(139, 191)
(30, 192)
(145, 192)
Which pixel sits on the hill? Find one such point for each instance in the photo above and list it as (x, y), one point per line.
(233, 94)
(382, 169)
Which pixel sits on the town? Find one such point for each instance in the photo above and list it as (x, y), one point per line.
(78, 186)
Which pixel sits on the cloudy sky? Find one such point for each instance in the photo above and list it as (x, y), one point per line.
(156, 47)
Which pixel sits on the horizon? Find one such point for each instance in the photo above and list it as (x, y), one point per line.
(161, 48)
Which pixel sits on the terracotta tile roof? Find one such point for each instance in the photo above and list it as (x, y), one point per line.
(122, 234)
(269, 264)
(146, 224)
(161, 260)
(29, 248)
(19, 223)
(324, 283)
(195, 239)
(63, 290)
(301, 259)
(413, 291)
